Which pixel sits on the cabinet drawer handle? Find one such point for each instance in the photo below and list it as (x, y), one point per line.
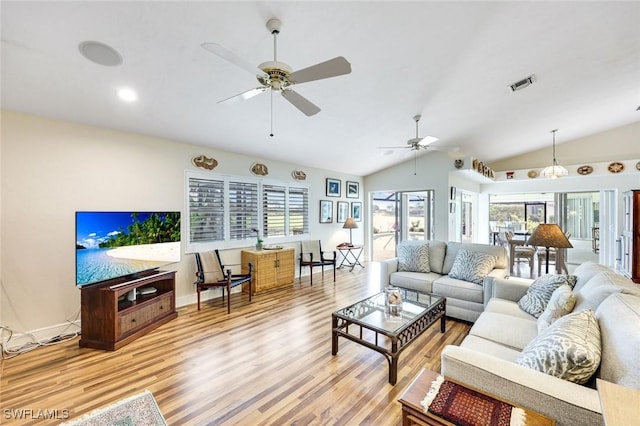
(161, 307)
(133, 320)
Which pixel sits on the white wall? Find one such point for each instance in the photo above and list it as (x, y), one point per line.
(51, 169)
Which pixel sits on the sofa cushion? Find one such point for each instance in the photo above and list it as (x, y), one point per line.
(598, 288)
(413, 256)
(472, 266)
(619, 319)
(437, 252)
(561, 303)
(509, 331)
(539, 292)
(458, 289)
(488, 347)
(569, 349)
(507, 307)
(585, 271)
(414, 280)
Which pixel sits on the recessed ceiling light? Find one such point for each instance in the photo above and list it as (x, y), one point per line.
(100, 53)
(127, 94)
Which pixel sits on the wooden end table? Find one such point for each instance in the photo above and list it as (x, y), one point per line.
(414, 414)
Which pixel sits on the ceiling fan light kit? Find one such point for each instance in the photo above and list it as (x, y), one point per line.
(279, 77)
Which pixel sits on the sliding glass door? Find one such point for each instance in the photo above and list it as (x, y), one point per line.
(399, 216)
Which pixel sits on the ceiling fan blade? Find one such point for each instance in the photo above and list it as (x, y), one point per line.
(331, 68)
(300, 102)
(233, 58)
(442, 148)
(244, 95)
(393, 147)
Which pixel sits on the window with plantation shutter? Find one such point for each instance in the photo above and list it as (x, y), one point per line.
(243, 210)
(224, 210)
(298, 211)
(206, 210)
(274, 210)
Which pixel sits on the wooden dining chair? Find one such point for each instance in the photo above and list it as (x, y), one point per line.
(311, 255)
(211, 272)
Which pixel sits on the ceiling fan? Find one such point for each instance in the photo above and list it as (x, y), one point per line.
(277, 76)
(417, 143)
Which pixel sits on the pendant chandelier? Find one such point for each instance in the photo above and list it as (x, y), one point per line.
(555, 170)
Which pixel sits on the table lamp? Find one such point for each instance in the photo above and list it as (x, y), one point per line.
(350, 224)
(549, 235)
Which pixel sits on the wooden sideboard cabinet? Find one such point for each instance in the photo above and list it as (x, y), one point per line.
(631, 235)
(272, 268)
(110, 320)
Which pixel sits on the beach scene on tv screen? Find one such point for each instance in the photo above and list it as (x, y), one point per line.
(113, 244)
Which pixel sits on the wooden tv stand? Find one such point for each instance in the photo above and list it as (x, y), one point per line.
(109, 321)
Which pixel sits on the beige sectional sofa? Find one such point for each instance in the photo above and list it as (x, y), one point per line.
(465, 300)
(487, 359)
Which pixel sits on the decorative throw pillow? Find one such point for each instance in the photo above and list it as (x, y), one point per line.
(538, 294)
(561, 303)
(413, 257)
(472, 266)
(569, 349)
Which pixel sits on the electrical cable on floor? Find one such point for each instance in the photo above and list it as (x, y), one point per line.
(64, 336)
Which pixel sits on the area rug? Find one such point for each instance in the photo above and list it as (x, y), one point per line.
(137, 410)
(466, 407)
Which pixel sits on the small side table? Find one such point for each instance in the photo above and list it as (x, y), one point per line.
(414, 414)
(350, 256)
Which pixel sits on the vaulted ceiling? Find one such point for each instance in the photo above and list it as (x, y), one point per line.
(452, 62)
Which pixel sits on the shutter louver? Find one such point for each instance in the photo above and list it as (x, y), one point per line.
(206, 210)
(274, 210)
(298, 211)
(243, 210)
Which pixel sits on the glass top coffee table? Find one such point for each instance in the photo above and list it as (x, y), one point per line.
(388, 334)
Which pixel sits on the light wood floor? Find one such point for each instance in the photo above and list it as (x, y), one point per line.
(267, 363)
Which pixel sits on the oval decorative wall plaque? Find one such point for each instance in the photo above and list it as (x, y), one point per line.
(584, 170)
(616, 167)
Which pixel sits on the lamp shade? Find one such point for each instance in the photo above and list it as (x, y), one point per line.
(549, 235)
(350, 223)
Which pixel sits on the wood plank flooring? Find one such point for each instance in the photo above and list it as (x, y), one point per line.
(267, 363)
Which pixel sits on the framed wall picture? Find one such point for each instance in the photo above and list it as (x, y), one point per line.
(333, 187)
(356, 211)
(353, 189)
(343, 211)
(326, 211)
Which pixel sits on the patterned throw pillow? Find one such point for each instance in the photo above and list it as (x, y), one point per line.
(538, 294)
(472, 266)
(413, 257)
(561, 303)
(569, 349)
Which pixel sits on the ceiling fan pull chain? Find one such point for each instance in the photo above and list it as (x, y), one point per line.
(414, 163)
(271, 97)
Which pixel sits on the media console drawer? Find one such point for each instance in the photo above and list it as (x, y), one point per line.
(132, 320)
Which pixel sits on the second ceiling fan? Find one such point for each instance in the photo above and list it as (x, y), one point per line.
(277, 76)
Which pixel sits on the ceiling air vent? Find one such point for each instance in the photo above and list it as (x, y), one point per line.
(525, 82)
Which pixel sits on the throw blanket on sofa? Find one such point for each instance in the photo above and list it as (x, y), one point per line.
(465, 407)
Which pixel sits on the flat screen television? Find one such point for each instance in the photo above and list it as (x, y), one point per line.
(118, 244)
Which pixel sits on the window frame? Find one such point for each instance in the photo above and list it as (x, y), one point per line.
(227, 242)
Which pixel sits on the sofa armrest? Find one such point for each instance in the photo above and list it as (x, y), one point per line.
(512, 288)
(566, 402)
(387, 267)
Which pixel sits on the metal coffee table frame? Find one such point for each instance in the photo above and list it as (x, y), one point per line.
(408, 329)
